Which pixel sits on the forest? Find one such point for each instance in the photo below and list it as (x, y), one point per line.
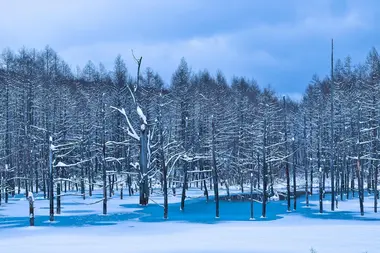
(125, 129)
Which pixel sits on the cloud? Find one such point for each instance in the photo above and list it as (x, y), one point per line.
(211, 52)
(257, 51)
(275, 41)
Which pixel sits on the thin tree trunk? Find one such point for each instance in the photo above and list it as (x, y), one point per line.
(204, 179)
(82, 189)
(332, 169)
(294, 178)
(321, 171)
(258, 171)
(31, 211)
(104, 177)
(164, 169)
(90, 182)
(58, 198)
(51, 187)
(286, 158)
(215, 170)
(251, 181)
(183, 196)
(359, 172)
(44, 184)
(265, 176)
(104, 170)
(376, 193)
(110, 185)
(144, 185)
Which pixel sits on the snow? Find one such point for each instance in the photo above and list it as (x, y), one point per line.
(141, 115)
(127, 226)
(61, 164)
(30, 197)
(130, 130)
(138, 237)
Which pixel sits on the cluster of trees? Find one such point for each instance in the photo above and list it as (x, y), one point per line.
(114, 129)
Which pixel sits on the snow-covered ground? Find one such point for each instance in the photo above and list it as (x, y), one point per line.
(130, 228)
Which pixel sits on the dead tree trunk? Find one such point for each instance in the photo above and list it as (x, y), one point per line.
(31, 209)
(144, 184)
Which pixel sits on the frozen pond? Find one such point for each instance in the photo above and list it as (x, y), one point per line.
(79, 213)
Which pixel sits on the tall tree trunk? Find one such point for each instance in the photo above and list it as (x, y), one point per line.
(311, 164)
(110, 185)
(332, 169)
(294, 177)
(58, 198)
(166, 205)
(90, 185)
(204, 179)
(353, 182)
(185, 175)
(359, 172)
(376, 192)
(104, 177)
(36, 182)
(215, 171)
(286, 158)
(321, 171)
(51, 180)
(82, 189)
(306, 161)
(374, 152)
(258, 171)
(44, 184)
(183, 196)
(265, 172)
(251, 181)
(104, 171)
(144, 184)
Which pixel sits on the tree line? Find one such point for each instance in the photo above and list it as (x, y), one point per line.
(94, 128)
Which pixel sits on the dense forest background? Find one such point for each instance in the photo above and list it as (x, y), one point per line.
(95, 128)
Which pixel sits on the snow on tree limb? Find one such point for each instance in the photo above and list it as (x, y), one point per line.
(109, 143)
(61, 164)
(135, 165)
(177, 157)
(114, 159)
(131, 131)
(141, 115)
(133, 96)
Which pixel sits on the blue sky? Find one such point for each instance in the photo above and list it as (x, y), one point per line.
(277, 42)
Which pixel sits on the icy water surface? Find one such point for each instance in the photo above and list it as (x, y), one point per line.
(76, 214)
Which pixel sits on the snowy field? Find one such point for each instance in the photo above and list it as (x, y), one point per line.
(129, 228)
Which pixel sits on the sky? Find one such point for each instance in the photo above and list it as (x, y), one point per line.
(279, 43)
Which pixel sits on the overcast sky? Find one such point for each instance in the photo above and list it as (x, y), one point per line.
(277, 42)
